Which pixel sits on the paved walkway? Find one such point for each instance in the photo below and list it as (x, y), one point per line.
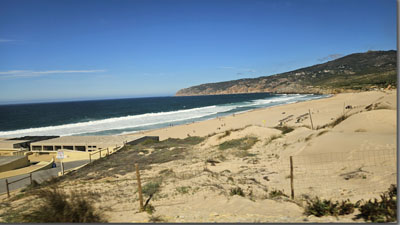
(38, 176)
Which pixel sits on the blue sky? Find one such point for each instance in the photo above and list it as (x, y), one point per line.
(93, 49)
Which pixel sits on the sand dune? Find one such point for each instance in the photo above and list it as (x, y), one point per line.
(355, 159)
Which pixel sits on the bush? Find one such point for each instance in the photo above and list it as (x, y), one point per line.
(320, 208)
(325, 207)
(384, 210)
(151, 188)
(57, 206)
(237, 191)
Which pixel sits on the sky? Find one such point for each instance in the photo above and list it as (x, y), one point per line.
(101, 49)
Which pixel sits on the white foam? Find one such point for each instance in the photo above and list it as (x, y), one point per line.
(152, 119)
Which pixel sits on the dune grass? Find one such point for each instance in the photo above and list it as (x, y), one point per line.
(242, 143)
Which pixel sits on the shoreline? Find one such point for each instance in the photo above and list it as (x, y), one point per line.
(222, 117)
(323, 111)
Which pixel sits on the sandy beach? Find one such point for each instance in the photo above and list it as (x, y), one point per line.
(353, 158)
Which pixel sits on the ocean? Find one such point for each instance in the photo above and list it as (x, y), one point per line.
(121, 116)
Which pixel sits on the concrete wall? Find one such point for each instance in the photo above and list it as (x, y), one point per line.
(7, 152)
(18, 163)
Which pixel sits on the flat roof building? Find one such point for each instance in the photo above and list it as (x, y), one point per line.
(83, 143)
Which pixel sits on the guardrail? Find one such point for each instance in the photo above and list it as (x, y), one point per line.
(15, 181)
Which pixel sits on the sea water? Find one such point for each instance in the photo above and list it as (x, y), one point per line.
(121, 116)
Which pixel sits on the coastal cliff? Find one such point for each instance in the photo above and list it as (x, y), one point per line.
(354, 72)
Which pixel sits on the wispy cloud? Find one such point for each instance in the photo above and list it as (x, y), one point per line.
(330, 57)
(30, 73)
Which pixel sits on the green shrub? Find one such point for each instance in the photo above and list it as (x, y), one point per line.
(320, 208)
(384, 210)
(57, 206)
(150, 188)
(237, 191)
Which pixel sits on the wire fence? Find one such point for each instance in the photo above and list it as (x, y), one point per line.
(338, 175)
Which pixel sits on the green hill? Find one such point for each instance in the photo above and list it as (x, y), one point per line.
(359, 71)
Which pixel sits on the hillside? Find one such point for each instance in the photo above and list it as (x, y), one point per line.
(359, 71)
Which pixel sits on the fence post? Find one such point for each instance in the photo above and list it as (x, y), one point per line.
(291, 177)
(30, 176)
(139, 188)
(108, 152)
(90, 158)
(312, 126)
(62, 168)
(8, 190)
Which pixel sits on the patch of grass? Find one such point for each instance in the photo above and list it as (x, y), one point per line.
(242, 143)
(149, 141)
(382, 211)
(57, 206)
(192, 140)
(277, 193)
(183, 189)
(273, 137)
(116, 164)
(285, 129)
(237, 191)
(242, 153)
(166, 172)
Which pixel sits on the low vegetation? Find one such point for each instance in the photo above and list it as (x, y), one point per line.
(122, 161)
(376, 211)
(57, 206)
(285, 129)
(270, 139)
(242, 143)
(276, 194)
(335, 122)
(237, 191)
(149, 190)
(380, 211)
(226, 134)
(318, 207)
